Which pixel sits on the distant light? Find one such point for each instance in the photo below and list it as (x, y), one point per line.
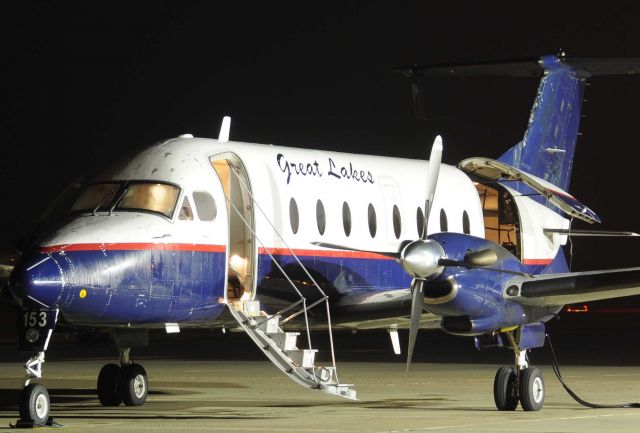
(584, 308)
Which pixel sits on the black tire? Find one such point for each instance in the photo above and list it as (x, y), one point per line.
(34, 404)
(133, 385)
(505, 389)
(108, 382)
(531, 389)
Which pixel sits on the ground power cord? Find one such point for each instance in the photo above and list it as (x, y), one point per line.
(556, 370)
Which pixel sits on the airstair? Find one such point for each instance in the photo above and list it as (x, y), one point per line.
(281, 349)
(265, 329)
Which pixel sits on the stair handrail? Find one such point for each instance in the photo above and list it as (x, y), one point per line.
(281, 238)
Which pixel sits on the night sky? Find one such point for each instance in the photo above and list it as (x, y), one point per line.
(85, 83)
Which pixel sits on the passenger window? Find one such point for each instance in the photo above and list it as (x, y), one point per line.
(397, 223)
(373, 223)
(346, 218)
(466, 225)
(294, 216)
(444, 225)
(205, 206)
(420, 221)
(186, 213)
(320, 217)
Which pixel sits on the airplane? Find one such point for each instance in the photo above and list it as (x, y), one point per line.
(278, 241)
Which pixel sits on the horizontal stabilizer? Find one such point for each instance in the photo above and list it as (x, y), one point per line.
(583, 67)
(607, 233)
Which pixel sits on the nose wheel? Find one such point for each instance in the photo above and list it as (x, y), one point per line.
(34, 405)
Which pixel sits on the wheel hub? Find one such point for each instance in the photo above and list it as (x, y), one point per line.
(139, 386)
(41, 406)
(537, 390)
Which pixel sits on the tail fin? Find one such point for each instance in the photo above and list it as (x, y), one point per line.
(548, 146)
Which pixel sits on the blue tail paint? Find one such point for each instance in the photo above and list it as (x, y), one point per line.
(549, 143)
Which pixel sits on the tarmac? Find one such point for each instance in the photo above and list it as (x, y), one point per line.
(225, 385)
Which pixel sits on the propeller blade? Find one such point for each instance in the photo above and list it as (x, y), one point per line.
(432, 180)
(417, 301)
(392, 254)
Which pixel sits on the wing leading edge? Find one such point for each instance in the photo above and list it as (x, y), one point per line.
(562, 289)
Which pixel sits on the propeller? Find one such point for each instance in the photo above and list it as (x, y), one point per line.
(421, 258)
(432, 181)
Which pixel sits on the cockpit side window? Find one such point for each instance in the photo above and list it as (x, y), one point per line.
(96, 197)
(186, 213)
(205, 206)
(150, 196)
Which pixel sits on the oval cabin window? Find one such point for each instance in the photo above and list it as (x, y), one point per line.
(397, 222)
(321, 217)
(373, 223)
(444, 225)
(346, 218)
(294, 217)
(466, 224)
(420, 221)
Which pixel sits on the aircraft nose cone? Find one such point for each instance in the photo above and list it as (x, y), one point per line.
(37, 281)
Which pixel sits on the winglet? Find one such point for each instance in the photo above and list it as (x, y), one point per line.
(224, 130)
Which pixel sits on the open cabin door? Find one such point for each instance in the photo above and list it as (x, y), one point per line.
(241, 252)
(501, 217)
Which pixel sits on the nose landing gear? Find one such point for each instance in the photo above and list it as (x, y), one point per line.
(34, 332)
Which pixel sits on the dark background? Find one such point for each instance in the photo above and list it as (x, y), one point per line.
(87, 82)
(84, 83)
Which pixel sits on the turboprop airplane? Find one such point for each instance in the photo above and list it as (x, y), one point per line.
(277, 241)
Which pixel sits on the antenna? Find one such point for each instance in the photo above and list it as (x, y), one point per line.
(224, 129)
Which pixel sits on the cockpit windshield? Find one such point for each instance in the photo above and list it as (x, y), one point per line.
(154, 197)
(128, 196)
(97, 197)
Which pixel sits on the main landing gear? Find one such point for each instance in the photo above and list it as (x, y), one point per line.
(520, 383)
(125, 383)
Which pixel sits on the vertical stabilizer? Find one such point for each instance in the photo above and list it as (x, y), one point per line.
(548, 146)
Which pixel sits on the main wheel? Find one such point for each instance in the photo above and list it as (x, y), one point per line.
(531, 389)
(505, 390)
(34, 404)
(108, 382)
(133, 385)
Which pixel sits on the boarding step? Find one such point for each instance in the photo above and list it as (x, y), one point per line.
(286, 341)
(302, 357)
(281, 349)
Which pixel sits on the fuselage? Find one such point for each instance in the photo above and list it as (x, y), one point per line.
(190, 224)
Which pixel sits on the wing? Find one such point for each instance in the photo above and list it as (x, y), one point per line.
(571, 288)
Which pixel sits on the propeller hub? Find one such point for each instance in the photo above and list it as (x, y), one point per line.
(420, 259)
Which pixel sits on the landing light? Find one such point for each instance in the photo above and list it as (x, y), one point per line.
(32, 335)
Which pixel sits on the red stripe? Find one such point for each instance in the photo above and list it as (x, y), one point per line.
(537, 261)
(323, 253)
(135, 246)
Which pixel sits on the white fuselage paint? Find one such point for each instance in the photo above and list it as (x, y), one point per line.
(278, 174)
